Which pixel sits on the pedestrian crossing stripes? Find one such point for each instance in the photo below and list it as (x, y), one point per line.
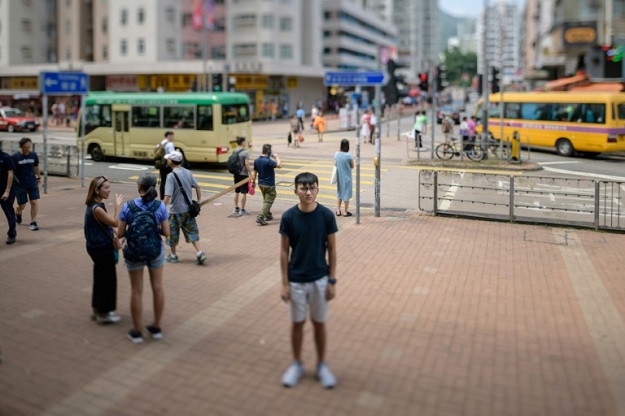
(213, 182)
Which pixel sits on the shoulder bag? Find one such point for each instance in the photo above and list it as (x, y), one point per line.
(116, 243)
(194, 206)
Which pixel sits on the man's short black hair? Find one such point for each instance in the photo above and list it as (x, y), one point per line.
(306, 178)
(168, 132)
(266, 149)
(240, 140)
(24, 141)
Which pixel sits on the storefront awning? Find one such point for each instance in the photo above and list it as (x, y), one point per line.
(600, 87)
(564, 84)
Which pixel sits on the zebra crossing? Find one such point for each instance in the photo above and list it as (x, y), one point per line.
(215, 181)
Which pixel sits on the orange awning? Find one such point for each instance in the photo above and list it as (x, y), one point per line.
(600, 87)
(564, 84)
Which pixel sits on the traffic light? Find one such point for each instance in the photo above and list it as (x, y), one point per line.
(391, 89)
(495, 79)
(232, 81)
(218, 81)
(441, 78)
(424, 84)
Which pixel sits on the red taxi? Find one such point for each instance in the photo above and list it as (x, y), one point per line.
(13, 119)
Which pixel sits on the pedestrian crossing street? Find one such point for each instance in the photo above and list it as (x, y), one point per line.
(215, 181)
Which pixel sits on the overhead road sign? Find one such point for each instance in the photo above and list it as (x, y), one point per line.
(351, 78)
(64, 83)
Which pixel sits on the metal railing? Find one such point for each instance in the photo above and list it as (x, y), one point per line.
(531, 199)
(63, 160)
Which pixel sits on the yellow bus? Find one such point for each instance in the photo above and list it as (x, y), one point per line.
(205, 125)
(570, 122)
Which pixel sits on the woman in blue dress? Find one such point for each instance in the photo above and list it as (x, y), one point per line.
(344, 165)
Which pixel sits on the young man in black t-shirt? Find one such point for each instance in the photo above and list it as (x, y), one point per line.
(7, 197)
(308, 281)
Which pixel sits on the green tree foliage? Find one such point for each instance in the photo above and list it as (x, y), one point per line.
(459, 63)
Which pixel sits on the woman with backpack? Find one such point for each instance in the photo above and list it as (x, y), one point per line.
(101, 248)
(142, 221)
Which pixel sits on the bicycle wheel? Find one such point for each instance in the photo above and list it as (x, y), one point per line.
(476, 153)
(444, 151)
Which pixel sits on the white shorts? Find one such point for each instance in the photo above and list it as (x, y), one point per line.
(313, 293)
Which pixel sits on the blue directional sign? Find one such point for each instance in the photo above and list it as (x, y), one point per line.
(347, 79)
(68, 83)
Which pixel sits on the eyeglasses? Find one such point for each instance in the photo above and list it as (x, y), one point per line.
(100, 182)
(305, 189)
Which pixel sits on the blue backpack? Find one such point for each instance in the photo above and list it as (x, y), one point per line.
(143, 238)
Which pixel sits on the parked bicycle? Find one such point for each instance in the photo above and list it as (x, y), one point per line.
(471, 150)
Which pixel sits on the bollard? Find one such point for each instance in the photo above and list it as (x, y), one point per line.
(515, 148)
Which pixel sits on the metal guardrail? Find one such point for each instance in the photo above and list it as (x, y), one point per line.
(530, 199)
(63, 160)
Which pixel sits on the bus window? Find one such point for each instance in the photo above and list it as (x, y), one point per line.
(179, 117)
(205, 117)
(97, 116)
(234, 113)
(512, 110)
(621, 111)
(146, 117)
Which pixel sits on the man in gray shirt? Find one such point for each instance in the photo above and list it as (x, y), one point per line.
(179, 218)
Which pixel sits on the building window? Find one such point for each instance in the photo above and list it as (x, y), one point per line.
(244, 21)
(26, 26)
(187, 19)
(124, 17)
(267, 21)
(140, 16)
(218, 52)
(105, 52)
(105, 25)
(171, 45)
(286, 51)
(220, 25)
(123, 47)
(267, 50)
(68, 53)
(68, 27)
(240, 50)
(141, 46)
(27, 52)
(286, 24)
(170, 14)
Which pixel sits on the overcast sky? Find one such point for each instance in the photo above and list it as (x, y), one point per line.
(465, 8)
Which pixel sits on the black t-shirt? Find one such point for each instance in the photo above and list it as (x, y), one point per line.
(308, 233)
(265, 167)
(6, 164)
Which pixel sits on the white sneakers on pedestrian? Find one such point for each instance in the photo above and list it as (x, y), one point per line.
(293, 374)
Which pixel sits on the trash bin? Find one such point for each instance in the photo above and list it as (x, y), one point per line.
(515, 150)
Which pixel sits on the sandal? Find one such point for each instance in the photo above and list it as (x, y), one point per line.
(338, 214)
(348, 214)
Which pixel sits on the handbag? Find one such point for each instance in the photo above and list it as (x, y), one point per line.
(114, 240)
(194, 206)
(251, 188)
(300, 137)
(334, 176)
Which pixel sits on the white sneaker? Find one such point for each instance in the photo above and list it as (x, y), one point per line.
(422, 149)
(293, 374)
(325, 376)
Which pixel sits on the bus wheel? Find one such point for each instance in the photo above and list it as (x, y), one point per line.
(10, 128)
(96, 153)
(564, 147)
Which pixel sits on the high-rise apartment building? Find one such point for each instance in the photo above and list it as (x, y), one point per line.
(418, 35)
(500, 27)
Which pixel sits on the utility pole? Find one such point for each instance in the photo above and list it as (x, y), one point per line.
(204, 51)
(502, 38)
(485, 86)
(378, 142)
